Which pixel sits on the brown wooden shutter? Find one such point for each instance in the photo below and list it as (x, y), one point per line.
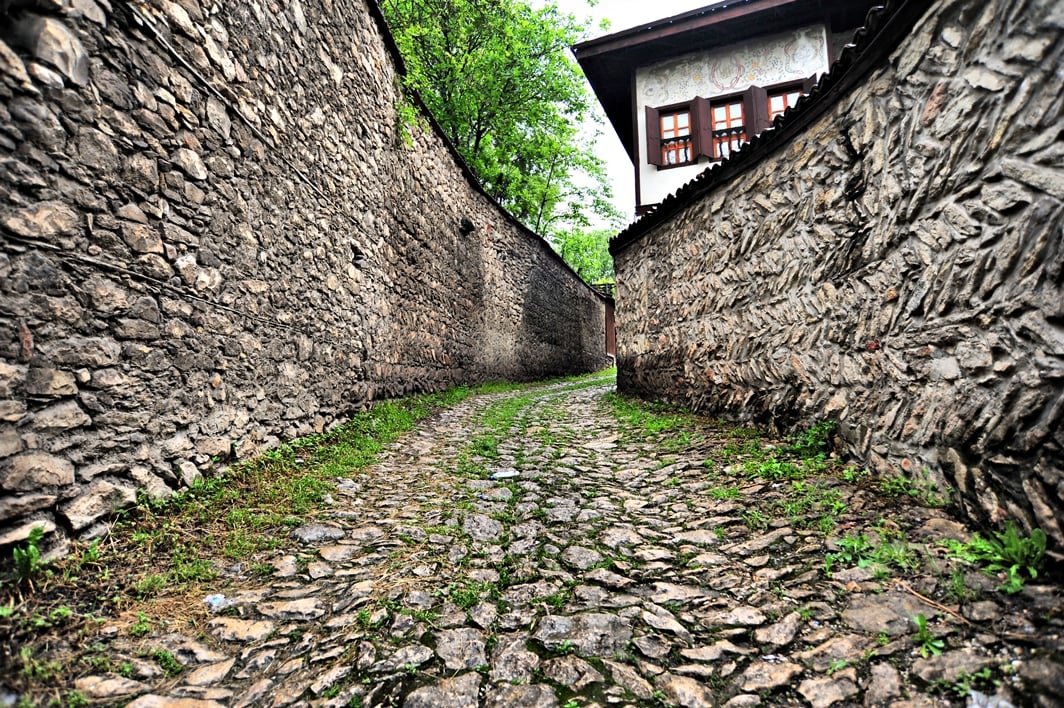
(701, 128)
(755, 111)
(654, 156)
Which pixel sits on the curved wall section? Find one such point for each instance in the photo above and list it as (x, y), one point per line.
(898, 266)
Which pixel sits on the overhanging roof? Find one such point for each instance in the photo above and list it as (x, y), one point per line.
(610, 62)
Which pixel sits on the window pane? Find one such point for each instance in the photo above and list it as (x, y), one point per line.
(676, 138)
(729, 131)
(735, 113)
(728, 115)
(781, 101)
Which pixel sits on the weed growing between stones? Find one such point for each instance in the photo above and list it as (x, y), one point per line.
(1004, 554)
(725, 493)
(966, 682)
(167, 662)
(924, 490)
(27, 557)
(926, 642)
(876, 535)
(650, 419)
(891, 553)
(151, 573)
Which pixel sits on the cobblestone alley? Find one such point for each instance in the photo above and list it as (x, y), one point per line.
(557, 546)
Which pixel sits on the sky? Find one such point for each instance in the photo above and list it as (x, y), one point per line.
(622, 14)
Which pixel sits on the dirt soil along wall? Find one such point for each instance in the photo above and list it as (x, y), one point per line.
(898, 266)
(215, 236)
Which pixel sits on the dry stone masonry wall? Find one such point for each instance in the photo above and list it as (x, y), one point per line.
(898, 267)
(214, 237)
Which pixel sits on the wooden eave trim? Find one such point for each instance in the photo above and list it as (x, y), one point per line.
(672, 26)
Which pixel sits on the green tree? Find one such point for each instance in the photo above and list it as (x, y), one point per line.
(587, 251)
(497, 76)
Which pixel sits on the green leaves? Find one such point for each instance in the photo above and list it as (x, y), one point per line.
(497, 76)
(587, 252)
(1006, 554)
(28, 558)
(925, 640)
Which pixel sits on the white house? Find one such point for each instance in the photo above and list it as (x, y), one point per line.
(685, 91)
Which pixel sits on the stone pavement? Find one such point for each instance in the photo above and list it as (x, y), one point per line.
(604, 566)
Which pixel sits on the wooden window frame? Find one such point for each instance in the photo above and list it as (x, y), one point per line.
(715, 141)
(803, 86)
(755, 120)
(692, 152)
(755, 115)
(653, 146)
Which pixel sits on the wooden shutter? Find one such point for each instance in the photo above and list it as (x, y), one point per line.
(701, 129)
(755, 111)
(654, 156)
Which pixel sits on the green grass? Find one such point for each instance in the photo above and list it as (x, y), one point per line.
(164, 555)
(773, 469)
(669, 426)
(37, 669)
(27, 557)
(1005, 554)
(647, 418)
(812, 504)
(466, 593)
(556, 600)
(854, 549)
(723, 493)
(965, 682)
(755, 520)
(803, 455)
(141, 627)
(250, 509)
(892, 553)
(165, 550)
(167, 662)
(812, 442)
(923, 490)
(504, 419)
(485, 445)
(149, 585)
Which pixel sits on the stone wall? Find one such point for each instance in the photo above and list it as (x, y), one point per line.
(897, 265)
(215, 237)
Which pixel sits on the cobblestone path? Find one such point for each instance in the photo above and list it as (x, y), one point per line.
(608, 564)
